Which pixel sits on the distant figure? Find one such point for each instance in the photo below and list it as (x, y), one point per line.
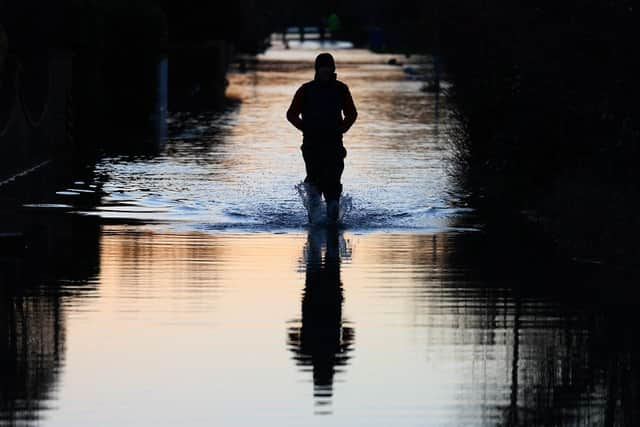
(285, 42)
(334, 24)
(322, 30)
(317, 110)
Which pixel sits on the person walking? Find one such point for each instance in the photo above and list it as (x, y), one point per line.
(323, 109)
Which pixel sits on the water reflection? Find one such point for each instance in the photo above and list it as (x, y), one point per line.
(538, 346)
(186, 326)
(224, 170)
(31, 347)
(38, 275)
(444, 335)
(321, 339)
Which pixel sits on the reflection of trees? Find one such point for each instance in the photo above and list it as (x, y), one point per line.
(536, 355)
(568, 367)
(568, 359)
(566, 364)
(319, 339)
(32, 318)
(32, 342)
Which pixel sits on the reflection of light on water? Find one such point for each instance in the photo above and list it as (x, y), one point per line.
(197, 318)
(236, 169)
(184, 326)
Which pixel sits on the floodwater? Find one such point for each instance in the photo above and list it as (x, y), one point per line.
(184, 287)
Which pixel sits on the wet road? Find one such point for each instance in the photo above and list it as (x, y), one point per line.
(237, 170)
(190, 290)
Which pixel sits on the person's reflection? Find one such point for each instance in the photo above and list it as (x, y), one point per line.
(321, 340)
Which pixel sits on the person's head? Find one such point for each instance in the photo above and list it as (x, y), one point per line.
(325, 67)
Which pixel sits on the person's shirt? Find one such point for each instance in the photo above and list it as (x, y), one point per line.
(321, 105)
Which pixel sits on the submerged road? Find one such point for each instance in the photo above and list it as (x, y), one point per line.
(237, 170)
(192, 292)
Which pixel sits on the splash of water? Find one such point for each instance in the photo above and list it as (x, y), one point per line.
(346, 205)
(316, 207)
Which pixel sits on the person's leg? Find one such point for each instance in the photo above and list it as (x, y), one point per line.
(332, 187)
(313, 167)
(331, 174)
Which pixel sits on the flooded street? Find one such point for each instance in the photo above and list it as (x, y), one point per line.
(194, 292)
(237, 170)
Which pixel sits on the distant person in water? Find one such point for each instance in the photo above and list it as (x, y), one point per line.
(323, 110)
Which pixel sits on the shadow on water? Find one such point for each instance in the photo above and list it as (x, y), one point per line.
(321, 340)
(52, 263)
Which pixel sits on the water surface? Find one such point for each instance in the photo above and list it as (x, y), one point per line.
(238, 169)
(184, 286)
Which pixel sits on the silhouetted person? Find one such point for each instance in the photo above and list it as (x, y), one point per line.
(317, 110)
(321, 340)
(322, 30)
(285, 42)
(334, 24)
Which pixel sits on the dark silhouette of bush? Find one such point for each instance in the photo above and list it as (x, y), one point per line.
(547, 97)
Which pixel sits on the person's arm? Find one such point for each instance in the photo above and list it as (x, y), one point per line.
(349, 111)
(295, 109)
